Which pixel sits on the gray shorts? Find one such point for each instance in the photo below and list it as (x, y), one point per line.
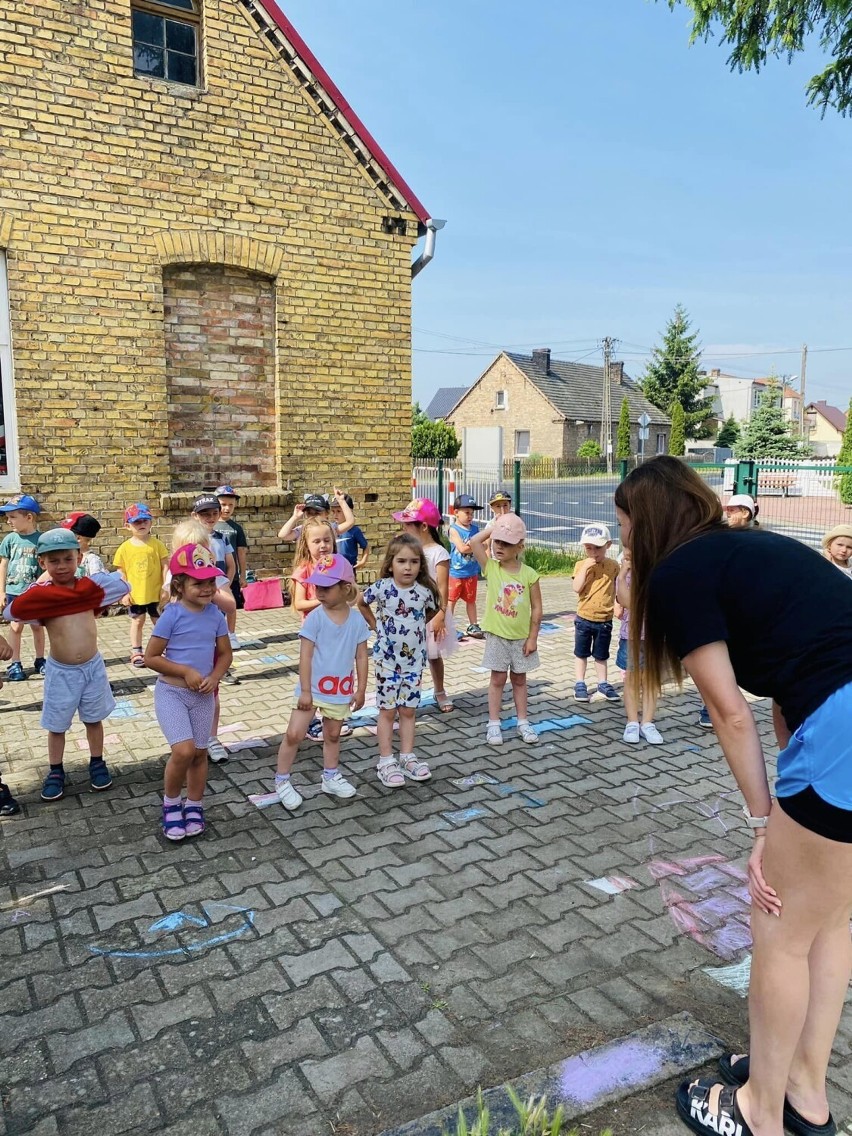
(507, 655)
(68, 689)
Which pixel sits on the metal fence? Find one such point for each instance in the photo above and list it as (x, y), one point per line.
(557, 499)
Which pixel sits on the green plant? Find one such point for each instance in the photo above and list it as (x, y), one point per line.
(672, 375)
(590, 450)
(845, 458)
(534, 1119)
(622, 445)
(677, 438)
(432, 440)
(729, 433)
(767, 433)
(550, 561)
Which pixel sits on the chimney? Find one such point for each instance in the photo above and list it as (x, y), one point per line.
(541, 358)
(616, 372)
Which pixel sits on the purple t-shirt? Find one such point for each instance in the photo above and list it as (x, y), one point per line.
(191, 635)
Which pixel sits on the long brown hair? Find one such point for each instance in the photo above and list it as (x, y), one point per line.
(406, 540)
(302, 554)
(668, 504)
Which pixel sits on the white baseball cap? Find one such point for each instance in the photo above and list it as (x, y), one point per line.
(742, 500)
(595, 534)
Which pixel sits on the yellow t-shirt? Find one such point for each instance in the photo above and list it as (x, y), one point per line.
(597, 599)
(142, 567)
(508, 611)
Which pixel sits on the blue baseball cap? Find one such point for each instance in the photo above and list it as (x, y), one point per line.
(137, 512)
(56, 540)
(465, 501)
(22, 502)
(227, 491)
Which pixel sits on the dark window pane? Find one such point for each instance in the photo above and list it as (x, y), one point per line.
(149, 60)
(187, 5)
(148, 28)
(181, 68)
(180, 37)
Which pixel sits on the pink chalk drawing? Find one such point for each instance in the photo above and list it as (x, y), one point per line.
(706, 901)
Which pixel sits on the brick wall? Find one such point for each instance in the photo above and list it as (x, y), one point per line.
(107, 181)
(526, 409)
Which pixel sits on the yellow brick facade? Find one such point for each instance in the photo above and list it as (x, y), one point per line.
(105, 180)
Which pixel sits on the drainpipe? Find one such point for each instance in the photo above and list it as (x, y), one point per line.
(432, 227)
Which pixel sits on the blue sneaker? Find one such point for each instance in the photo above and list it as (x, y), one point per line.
(9, 807)
(53, 788)
(15, 673)
(704, 719)
(609, 692)
(99, 776)
(581, 692)
(314, 733)
(39, 667)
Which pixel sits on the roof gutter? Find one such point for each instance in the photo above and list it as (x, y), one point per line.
(433, 224)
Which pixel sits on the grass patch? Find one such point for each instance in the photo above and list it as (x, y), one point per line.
(551, 561)
(534, 1119)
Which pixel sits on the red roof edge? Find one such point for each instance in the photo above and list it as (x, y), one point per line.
(372, 146)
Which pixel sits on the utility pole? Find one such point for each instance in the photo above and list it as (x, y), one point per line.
(802, 375)
(606, 403)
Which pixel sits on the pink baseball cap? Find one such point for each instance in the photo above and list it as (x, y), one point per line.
(330, 570)
(420, 511)
(194, 560)
(509, 529)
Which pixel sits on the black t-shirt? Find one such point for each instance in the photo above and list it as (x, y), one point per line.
(234, 531)
(784, 611)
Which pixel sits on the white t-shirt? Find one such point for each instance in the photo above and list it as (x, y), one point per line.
(332, 678)
(435, 554)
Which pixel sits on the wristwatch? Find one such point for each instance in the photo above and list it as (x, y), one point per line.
(754, 822)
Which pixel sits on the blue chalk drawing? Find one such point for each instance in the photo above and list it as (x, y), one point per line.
(473, 780)
(276, 659)
(548, 628)
(177, 921)
(367, 713)
(462, 816)
(510, 791)
(551, 724)
(124, 708)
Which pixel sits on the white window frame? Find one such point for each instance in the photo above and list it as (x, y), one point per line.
(11, 479)
(661, 443)
(519, 453)
(501, 400)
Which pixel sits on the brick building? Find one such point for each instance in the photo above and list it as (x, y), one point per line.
(550, 408)
(205, 267)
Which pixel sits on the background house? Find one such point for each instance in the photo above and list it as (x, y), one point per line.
(443, 401)
(550, 407)
(824, 425)
(205, 267)
(735, 396)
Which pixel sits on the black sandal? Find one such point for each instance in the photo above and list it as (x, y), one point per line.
(693, 1106)
(736, 1073)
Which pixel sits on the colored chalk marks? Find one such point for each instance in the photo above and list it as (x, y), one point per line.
(263, 800)
(705, 898)
(473, 780)
(551, 724)
(247, 743)
(238, 921)
(124, 708)
(736, 976)
(612, 885)
(464, 816)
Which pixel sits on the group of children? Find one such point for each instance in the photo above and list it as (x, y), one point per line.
(54, 582)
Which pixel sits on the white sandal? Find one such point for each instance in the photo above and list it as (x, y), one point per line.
(414, 768)
(390, 773)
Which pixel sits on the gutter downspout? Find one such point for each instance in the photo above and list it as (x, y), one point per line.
(432, 227)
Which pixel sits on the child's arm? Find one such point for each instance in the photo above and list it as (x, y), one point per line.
(224, 600)
(306, 659)
(622, 587)
(230, 567)
(580, 574)
(285, 533)
(242, 560)
(366, 611)
(4, 569)
(364, 554)
(360, 676)
(457, 541)
(224, 657)
(536, 610)
(442, 579)
(300, 598)
(154, 661)
(348, 516)
(478, 546)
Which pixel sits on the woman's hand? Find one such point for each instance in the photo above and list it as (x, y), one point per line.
(763, 896)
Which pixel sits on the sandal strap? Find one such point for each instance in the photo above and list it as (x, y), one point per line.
(172, 816)
(193, 812)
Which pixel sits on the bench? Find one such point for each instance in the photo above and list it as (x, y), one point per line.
(777, 485)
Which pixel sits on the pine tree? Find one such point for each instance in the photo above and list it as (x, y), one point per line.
(622, 445)
(729, 434)
(767, 433)
(845, 458)
(677, 438)
(672, 376)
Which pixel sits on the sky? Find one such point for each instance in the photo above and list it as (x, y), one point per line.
(594, 171)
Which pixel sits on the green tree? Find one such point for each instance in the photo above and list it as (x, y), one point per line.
(845, 458)
(767, 433)
(590, 451)
(622, 444)
(756, 30)
(672, 376)
(432, 440)
(729, 433)
(677, 438)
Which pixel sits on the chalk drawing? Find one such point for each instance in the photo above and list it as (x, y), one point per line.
(246, 743)
(369, 711)
(18, 916)
(549, 628)
(462, 816)
(481, 670)
(110, 739)
(736, 977)
(472, 780)
(124, 708)
(263, 800)
(232, 729)
(612, 885)
(178, 921)
(551, 724)
(277, 658)
(509, 790)
(22, 900)
(591, 1075)
(712, 909)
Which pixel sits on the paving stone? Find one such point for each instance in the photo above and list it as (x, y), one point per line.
(150, 1020)
(282, 1103)
(330, 1076)
(301, 1041)
(136, 1110)
(68, 1048)
(62, 1014)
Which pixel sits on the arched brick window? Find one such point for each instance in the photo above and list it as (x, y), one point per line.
(220, 375)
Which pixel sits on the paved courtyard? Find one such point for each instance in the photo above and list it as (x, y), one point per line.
(357, 965)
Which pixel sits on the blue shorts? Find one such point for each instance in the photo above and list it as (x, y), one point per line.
(68, 689)
(622, 659)
(818, 756)
(592, 638)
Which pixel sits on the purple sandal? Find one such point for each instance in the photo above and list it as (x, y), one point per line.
(173, 826)
(193, 819)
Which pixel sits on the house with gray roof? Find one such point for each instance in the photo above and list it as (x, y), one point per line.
(549, 407)
(443, 401)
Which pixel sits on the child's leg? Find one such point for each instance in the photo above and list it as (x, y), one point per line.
(16, 630)
(38, 642)
(331, 743)
(95, 738)
(436, 667)
(630, 693)
(384, 730)
(471, 612)
(298, 724)
(196, 776)
(137, 623)
(406, 729)
(182, 756)
(600, 670)
(519, 693)
(495, 694)
(649, 705)
(55, 747)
